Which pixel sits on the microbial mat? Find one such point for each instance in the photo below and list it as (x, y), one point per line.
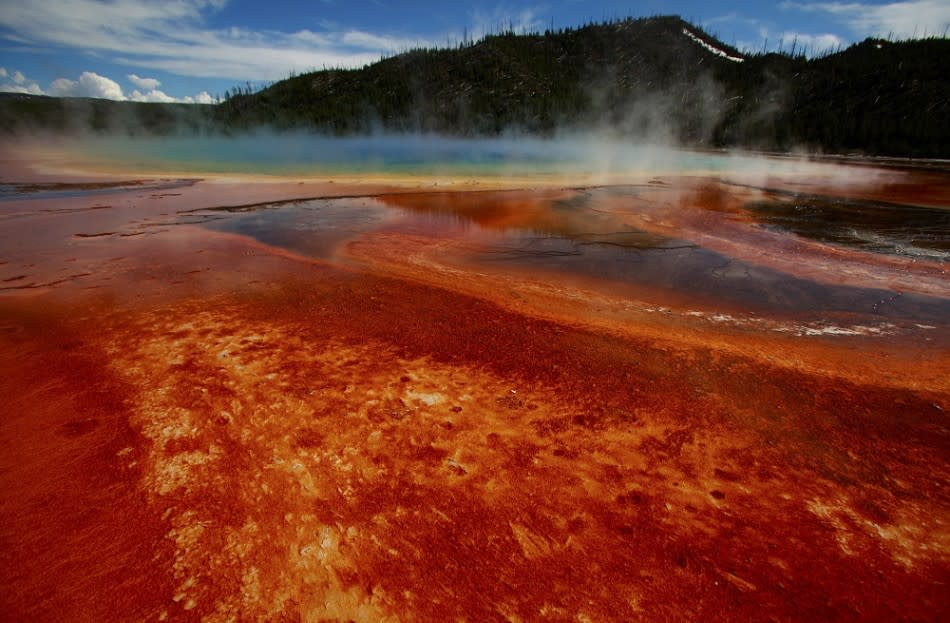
(449, 381)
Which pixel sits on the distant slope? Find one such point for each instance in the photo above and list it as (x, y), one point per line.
(643, 75)
(877, 96)
(657, 78)
(72, 115)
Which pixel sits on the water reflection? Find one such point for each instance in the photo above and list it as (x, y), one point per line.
(872, 226)
(573, 234)
(19, 191)
(313, 228)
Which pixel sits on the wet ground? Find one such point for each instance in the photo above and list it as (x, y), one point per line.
(685, 397)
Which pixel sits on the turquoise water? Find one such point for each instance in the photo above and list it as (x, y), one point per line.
(409, 155)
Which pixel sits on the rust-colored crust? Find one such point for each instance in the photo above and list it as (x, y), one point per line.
(207, 428)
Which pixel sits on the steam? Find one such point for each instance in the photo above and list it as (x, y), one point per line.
(662, 108)
(626, 133)
(569, 159)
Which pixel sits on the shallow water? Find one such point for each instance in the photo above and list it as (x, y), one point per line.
(572, 156)
(569, 236)
(874, 226)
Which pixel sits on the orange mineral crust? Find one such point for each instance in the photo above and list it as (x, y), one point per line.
(404, 406)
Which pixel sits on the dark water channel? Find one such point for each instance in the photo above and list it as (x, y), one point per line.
(581, 246)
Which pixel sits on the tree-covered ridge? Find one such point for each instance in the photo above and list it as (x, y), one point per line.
(538, 83)
(659, 78)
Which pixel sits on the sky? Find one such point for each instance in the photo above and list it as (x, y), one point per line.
(193, 50)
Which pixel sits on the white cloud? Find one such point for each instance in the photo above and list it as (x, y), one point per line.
(94, 85)
(30, 88)
(901, 20)
(63, 87)
(171, 35)
(153, 95)
(17, 77)
(202, 98)
(360, 39)
(144, 83)
(811, 44)
(309, 37)
(90, 84)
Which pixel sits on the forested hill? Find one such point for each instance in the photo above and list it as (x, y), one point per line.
(659, 78)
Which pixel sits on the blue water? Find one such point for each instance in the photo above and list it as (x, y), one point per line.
(411, 155)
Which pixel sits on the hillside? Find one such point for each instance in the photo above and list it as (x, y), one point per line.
(659, 78)
(641, 76)
(75, 115)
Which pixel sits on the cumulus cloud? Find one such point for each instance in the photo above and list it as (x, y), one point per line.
(902, 20)
(94, 85)
(171, 35)
(154, 95)
(90, 84)
(148, 84)
(63, 87)
(202, 98)
(18, 83)
(30, 88)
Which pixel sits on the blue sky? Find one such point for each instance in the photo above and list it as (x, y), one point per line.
(192, 50)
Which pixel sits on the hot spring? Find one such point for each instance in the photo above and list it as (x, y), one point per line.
(392, 378)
